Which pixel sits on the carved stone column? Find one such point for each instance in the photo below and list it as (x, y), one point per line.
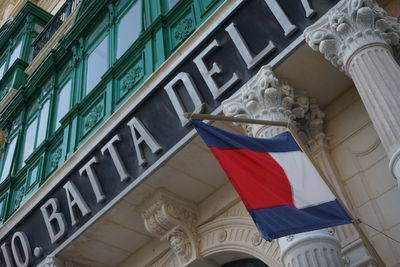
(174, 220)
(310, 129)
(267, 98)
(356, 37)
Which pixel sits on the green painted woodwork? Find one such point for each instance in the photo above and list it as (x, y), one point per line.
(245, 263)
(165, 24)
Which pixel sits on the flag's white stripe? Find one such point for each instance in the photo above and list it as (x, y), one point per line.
(307, 185)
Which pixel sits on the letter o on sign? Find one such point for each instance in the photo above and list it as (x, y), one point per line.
(21, 249)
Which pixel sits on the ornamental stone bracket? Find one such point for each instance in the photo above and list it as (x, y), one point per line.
(349, 27)
(357, 37)
(170, 218)
(52, 261)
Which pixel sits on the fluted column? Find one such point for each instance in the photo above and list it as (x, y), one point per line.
(357, 38)
(265, 97)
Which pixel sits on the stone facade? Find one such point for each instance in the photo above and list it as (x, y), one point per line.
(354, 138)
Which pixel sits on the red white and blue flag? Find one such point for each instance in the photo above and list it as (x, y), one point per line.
(276, 181)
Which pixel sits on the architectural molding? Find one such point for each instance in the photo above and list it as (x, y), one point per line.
(315, 248)
(52, 261)
(350, 27)
(234, 231)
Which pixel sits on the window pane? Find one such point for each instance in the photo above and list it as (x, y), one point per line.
(63, 102)
(129, 28)
(8, 159)
(44, 115)
(3, 65)
(171, 3)
(97, 65)
(16, 53)
(30, 139)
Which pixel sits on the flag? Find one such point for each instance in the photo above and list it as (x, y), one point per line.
(276, 181)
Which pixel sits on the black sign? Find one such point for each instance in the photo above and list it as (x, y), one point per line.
(248, 38)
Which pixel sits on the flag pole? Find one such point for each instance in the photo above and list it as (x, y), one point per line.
(355, 221)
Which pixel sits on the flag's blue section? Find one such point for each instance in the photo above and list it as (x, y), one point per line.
(218, 138)
(281, 221)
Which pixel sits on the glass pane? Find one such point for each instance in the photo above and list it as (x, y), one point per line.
(63, 102)
(97, 65)
(16, 53)
(8, 159)
(30, 139)
(44, 115)
(3, 65)
(171, 3)
(129, 28)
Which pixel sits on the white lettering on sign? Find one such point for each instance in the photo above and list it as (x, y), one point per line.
(141, 135)
(94, 181)
(176, 101)
(116, 158)
(54, 220)
(209, 73)
(245, 53)
(75, 201)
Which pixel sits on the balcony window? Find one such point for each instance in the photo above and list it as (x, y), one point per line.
(16, 53)
(97, 64)
(63, 102)
(172, 3)
(8, 158)
(129, 28)
(2, 68)
(37, 128)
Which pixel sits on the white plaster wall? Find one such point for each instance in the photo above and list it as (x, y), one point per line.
(363, 167)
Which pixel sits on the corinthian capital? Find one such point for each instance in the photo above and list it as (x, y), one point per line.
(265, 97)
(350, 26)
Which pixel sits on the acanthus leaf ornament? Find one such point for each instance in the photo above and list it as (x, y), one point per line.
(351, 26)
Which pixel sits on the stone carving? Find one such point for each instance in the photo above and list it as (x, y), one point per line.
(180, 243)
(183, 29)
(131, 78)
(93, 117)
(170, 218)
(19, 195)
(266, 97)
(242, 237)
(289, 238)
(256, 239)
(55, 158)
(222, 235)
(51, 261)
(346, 29)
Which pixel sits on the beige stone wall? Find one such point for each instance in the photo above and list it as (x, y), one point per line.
(363, 167)
(9, 8)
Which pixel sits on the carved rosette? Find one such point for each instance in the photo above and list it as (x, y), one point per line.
(351, 26)
(170, 218)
